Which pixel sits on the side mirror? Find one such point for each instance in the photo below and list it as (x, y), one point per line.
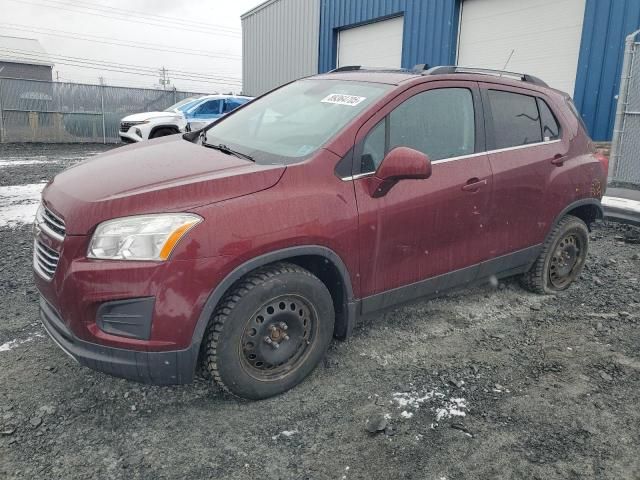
(401, 163)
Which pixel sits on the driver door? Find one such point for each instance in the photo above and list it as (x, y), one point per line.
(422, 230)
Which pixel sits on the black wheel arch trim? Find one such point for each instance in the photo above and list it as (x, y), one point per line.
(573, 205)
(158, 127)
(265, 259)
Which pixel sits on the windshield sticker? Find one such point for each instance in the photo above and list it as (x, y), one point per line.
(341, 99)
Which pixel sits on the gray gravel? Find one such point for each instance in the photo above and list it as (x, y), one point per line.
(489, 382)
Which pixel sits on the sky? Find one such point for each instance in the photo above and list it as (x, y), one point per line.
(199, 42)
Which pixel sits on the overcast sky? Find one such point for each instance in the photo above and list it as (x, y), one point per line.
(205, 36)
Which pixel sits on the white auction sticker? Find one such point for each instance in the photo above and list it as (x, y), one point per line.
(342, 99)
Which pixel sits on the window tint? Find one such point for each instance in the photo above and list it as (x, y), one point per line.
(438, 122)
(373, 149)
(231, 104)
(212, 107)
(550, 127)
(515, 119)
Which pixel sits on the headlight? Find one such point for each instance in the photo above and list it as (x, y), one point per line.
(142, 237)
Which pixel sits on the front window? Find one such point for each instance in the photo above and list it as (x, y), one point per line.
(295, 120)
(439, 123)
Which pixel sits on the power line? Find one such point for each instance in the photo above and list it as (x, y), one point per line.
(102, 68)
(42, 56)
(123, 17)
(160, 18)
(120, 43)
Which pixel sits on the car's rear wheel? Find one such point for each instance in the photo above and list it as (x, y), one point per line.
(163, 132)
(269, 332)
(562, 257)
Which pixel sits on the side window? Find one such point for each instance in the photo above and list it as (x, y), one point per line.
(515, 119)
(373, 150)
(212, 107)
(230, 104)
(550, 126)
(439, 123)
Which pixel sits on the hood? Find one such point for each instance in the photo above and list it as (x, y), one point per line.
(164, 175)
(140, 117)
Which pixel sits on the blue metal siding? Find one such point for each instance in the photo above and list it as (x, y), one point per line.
(430, 28)
(606, 24)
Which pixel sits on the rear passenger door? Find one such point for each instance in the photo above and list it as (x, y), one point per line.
(524, 139)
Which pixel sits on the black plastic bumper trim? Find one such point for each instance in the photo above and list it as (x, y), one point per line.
(158, 368)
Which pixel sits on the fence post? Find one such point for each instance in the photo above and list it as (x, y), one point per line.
(618, 129)
(104, 130)
(2, 134)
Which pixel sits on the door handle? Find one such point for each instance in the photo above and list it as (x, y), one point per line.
(558, 160)
(474, 184)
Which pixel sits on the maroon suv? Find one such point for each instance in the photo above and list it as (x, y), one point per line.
(248, 245)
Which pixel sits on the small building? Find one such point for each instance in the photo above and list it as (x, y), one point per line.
(24, 58)
(574, 45)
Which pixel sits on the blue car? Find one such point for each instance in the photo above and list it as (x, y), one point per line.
(207, 109)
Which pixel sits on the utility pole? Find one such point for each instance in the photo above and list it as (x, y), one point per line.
(57, 75)
(101, 80)
(164, 78)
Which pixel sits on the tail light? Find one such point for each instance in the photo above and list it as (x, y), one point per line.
(604, 160)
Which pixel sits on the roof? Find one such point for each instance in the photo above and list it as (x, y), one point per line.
(257, 8)
(23, 50)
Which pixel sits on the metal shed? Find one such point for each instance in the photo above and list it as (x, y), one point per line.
(279, 43)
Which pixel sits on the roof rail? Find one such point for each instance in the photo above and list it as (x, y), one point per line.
(525, 77)
(346, 68)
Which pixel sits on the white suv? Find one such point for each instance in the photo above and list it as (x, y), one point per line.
(201, 110)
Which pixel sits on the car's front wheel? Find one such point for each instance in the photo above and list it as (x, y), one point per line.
(269, 332)
(163, 132)
(562, 257)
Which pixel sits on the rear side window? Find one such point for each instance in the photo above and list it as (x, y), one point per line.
(515, 119)
(212, 107)
(550, 126)
(231, 104)
(439, 123)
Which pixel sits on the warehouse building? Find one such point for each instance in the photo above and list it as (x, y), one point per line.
(574, 45)
(24, 58)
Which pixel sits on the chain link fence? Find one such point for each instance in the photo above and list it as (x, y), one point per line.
(625, 148)
(55, 112)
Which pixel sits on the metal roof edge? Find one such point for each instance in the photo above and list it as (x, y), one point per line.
(257, 8)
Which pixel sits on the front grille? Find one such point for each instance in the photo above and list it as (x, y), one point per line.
(45, 260)
(52, 222)
(125, 126)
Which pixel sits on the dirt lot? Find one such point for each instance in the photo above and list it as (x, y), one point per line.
(492, 382)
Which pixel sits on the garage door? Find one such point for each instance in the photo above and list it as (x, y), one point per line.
(544, 36)
(376, 44)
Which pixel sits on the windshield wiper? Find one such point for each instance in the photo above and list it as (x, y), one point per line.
(229, 151)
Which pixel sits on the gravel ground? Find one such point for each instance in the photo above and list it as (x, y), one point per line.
(491, 382)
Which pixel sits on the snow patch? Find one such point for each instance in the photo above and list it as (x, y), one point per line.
(19, 203)
(285, 433)
(16, 163)
(453, 408)
(442, 406)
(10, 345)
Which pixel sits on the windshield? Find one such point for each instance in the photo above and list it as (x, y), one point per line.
(295, 120)
(182, 105)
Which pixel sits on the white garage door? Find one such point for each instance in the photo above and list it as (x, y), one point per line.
(376, 44)
(544, 36)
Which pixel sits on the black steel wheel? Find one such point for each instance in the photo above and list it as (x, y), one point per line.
(269, 332)
(562, 257)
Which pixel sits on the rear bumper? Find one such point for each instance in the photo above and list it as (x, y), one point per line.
(158, 368)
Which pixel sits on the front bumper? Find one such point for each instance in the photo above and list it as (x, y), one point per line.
(158, 368)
